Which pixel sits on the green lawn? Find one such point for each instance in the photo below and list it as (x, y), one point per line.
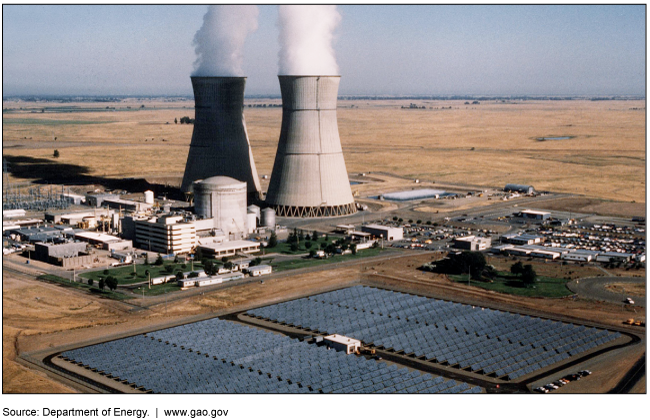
(124, 275)
(158, 289)
(506, 283)
(78, 285)
(285, 247)
(312, 262)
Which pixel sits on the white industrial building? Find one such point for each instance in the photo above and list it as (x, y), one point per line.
(525, 189)
(229, 248)
(521, 239)
(343, 343)
(105, 241)
(170, 234)
(388, 233)
(309, 177)
(472, 243)
(535, 214)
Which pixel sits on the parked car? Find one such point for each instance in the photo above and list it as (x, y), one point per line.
(541, 389)
(629, 301)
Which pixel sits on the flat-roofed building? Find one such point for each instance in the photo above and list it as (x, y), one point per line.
(105, 241)
(472, 243)
(343, 343)
(71, 254)
(389, 233)
(171, 234)
(525, 189)
(535, 214)
(260, 270)
(230, 248)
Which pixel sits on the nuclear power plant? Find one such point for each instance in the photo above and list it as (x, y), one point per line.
(220, 145)
(309, 177)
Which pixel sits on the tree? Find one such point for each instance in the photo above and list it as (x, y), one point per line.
(111, 282)
(256, 261)
(294, 247)
(517, 268)
(228, 265)
(175, 120)
(159, 260)
(146, 258)
(56, 153)
(179, 275)
(101, 284)
(169, 268)
(528, 276)
(90, 282)
(208, 267)
(314, 236)
(312, 253)
(354, 249)
(273, 240)
(224, 259)
(465, 262)
(301, 236)
(105, 272)
(192, 275)
(307, 244)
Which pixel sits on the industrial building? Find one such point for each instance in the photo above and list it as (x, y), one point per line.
(386, 232)
(220, 144)
(342, 343)
(222, 199)
(535, 214)
(67, 255)
(104, 241)
(227, 249)
(169, 234)
(88, 218)
(37, 234)
(524, 189)
(309, 177)
(420, 194)
(472, 243)
(521, 239)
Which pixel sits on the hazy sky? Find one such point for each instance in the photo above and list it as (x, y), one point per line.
(438, 50)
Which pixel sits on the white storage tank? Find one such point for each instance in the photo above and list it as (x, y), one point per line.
(268, 218)
(148, 197)
(251, 222)
(223, 199)
(255, 209)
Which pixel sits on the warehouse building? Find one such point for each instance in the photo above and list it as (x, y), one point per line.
(343, 343)
(386, 232)
(67, 255)
(472, 243)
(227, 249)
(535, 214)
(524, 189)
(104, 241)
(614, 257)
(521, 239)
(38, 234)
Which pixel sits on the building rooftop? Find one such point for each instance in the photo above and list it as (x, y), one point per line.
(230, 245)
(96, 236)
(342, 339)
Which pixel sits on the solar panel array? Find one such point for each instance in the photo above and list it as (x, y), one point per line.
(217, 356)
(481, 340)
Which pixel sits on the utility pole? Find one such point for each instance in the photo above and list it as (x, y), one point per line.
(470, 275)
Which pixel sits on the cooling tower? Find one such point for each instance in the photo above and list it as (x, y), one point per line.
(309, 178)
(220, 145)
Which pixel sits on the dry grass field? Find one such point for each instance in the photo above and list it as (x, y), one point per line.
(488, 144)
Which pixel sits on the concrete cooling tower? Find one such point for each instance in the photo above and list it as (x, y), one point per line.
(220, 145)
(309, 178)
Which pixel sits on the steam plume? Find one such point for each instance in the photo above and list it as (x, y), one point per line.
(306, 34)
(219, 42)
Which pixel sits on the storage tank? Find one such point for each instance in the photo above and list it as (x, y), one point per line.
(255, 209)
(220, 144)
(223, 199)
(148, 197)
(251, 222)
(268, 218)
(309, 177)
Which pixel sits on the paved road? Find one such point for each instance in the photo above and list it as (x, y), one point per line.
(594, 288)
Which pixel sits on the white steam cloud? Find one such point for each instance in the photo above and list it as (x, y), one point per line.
(219, 42)
(306, 34)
